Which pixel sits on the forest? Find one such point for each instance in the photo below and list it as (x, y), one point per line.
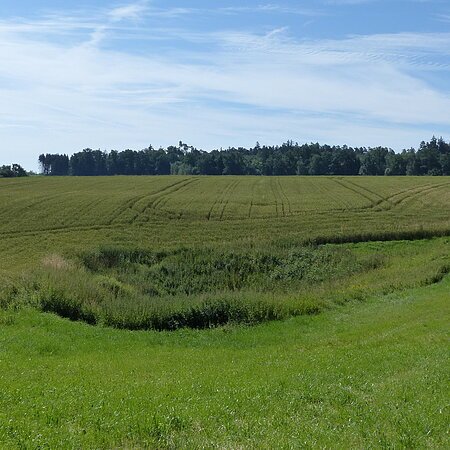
(431, 158)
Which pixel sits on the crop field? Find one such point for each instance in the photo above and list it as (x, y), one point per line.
(224, 312)
(108, 202)
(38, 214)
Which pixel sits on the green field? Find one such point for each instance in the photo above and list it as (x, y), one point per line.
(348, 274)
(38, 215)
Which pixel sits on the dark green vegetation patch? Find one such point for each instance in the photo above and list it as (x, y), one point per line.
(207, 287)
(197, 271)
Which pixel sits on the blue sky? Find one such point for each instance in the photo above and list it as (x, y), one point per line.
(116, 75)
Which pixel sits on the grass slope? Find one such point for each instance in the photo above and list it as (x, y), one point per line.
(365, 375)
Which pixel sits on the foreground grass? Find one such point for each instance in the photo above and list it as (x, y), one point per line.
(363, 375)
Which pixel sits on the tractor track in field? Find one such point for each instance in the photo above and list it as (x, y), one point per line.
(128, 204)
(185, 209)
(162, 197)
(406, 193)
(63, 229)
(215, 202)
(132, 210)
(279, 193)
(250, 209)
(390, 201)
(100, 227)
(366, 192)
(252, 194)
(325, 191)
(276, 196)
(220, 199)
(40, 201)
(418, 189)
(354, 189)
(23, 209)
(162, 200)
(158, 196)
(131, 203)
(310, 217)
(420, 193)
(87, 207)
(227, 198)
(283, 193)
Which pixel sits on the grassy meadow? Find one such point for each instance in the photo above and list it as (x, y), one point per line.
(365, 375)
(224, 312)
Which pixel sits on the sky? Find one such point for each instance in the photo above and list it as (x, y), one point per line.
(115, 75)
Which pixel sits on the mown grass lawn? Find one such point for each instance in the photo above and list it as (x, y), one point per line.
(364, 375)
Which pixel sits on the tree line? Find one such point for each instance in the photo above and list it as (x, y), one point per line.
(12, 171)
(431, 158)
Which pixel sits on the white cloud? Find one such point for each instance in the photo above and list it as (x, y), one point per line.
(269, 87)
(443, 17)
(271, 8)
(349, 2)
(132, 11)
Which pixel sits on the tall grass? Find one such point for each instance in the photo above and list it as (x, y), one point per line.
(207, 287)
(188, 272)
